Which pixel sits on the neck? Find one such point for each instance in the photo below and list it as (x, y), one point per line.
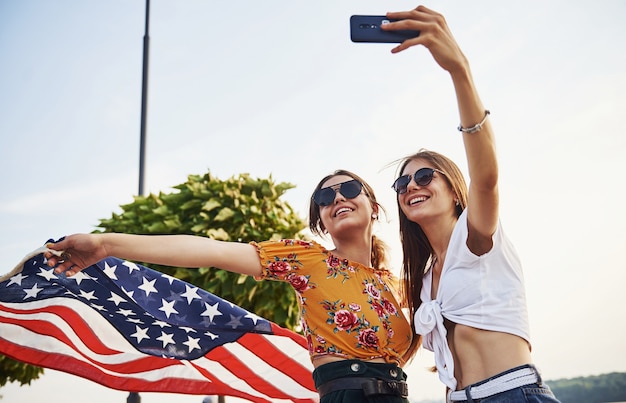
(438, 235)
(356, 251)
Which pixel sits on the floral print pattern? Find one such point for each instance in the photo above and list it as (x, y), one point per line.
(347, 309)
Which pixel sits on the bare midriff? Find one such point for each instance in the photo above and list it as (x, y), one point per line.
(479, 354)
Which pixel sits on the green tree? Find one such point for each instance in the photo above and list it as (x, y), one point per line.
(609, 387)
(240, 209)
(16, 371)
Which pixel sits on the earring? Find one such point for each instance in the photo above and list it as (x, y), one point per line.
(458, 203)
(374, 216)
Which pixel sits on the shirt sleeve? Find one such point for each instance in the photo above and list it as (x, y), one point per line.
(280, 259)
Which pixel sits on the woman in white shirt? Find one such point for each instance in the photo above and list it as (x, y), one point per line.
(461, 275)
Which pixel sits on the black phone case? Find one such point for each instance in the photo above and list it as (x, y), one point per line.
(366, 28)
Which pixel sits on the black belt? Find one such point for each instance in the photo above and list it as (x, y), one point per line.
(370, 386)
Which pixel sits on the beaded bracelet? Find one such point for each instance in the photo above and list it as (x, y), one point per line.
(476, 127)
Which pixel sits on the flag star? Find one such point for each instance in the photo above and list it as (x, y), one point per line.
(254, 318)
(110, 271)
(190, 293)
(32, 292)
(80, 276)
(169, 278)
(125, 312)
(211, 335)
(161, 324)
(205, 322)
(235, 322)
(140, 334)
(116, 299)
(192, 343)
(188, 329)
(47, 274)
(17, 279)
(166, 338)
(88, 295)
(148, 286)
(148, 316)
(167, 307)
(129, 293)
(172, 352)
(131, 266)
(174, 296)
(211, 311)
(98, 307)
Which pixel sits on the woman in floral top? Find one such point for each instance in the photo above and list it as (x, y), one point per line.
(358, 336)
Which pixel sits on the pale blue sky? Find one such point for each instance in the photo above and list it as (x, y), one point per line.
(277, 88)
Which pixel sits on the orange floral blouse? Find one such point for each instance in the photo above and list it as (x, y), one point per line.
(347, 309)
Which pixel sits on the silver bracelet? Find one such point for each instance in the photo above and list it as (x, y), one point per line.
(476, 127)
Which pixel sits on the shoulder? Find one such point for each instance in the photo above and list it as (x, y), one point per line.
(288, 248)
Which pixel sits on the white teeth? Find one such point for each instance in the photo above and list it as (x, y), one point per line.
(416, 200)
(342, 210)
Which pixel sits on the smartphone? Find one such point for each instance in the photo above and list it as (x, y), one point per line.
(366, 28)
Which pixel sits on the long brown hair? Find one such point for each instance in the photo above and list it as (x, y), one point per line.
(416, 249)
(379, 258)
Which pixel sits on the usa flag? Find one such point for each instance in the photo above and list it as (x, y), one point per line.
(131, 328)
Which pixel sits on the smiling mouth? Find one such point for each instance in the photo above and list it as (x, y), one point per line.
(417, 200)
(342, 210)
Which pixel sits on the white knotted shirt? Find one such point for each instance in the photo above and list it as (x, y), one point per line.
(486, 292)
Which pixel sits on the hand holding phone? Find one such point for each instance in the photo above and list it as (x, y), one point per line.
(366, 28)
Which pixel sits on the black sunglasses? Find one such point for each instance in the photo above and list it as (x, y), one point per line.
(326, 196)
(422, 177)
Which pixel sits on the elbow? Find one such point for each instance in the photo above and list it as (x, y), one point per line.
(490, 182)
(487, 183)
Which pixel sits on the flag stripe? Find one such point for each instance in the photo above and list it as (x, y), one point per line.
(45, 321)
(236, 365)
(131, 328)
(268, 370)
(109, 375)
(263, 348)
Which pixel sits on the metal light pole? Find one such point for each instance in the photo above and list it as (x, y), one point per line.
(144, 101)
(133, 397)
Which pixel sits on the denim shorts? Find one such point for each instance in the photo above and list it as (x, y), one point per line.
(533, 393)
(358, 368)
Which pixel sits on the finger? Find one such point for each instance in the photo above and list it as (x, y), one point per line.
(52, 261)
(60, 245)
(53, 257)
(63, 266)
(402, 24)
(406, 44)
(71, 271)
(420, 13)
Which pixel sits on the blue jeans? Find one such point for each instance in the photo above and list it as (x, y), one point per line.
(534, 393)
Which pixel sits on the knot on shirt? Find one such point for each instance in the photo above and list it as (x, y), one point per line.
(429, 323)
(427, 317)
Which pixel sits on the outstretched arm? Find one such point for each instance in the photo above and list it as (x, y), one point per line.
(83, 250)
(479, 146)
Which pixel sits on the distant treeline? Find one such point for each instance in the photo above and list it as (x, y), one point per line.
(605, 388)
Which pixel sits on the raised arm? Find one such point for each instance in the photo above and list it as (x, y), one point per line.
(480, 145)
(83, 250)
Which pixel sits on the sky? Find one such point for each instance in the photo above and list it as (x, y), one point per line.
(276, 88)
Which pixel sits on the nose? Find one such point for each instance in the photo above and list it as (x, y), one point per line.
(412, 184)
(338, 196)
